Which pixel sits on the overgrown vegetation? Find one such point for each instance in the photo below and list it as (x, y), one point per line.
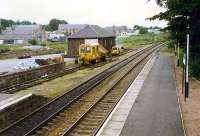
(9, 23)
(180, 14)
(59, 46)
(54, 23)
(33, 42)
(137, 41)
(4, 49)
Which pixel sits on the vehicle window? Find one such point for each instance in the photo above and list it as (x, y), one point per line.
(85, 50)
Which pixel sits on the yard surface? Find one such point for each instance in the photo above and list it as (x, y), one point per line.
(58, 86)
(14, 51)
(190, 108)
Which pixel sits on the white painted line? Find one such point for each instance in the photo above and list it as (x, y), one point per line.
(122, 109)
(12, 100)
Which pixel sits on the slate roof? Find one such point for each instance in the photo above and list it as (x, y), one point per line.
(71, 26)
(20, 32)
(92, 31)
(16, 37)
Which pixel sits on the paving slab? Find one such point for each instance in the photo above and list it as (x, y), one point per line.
(121, 111)
(4, 96)
(150, 106)
(156, 110)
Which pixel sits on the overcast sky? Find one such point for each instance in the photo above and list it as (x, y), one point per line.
(100, 12)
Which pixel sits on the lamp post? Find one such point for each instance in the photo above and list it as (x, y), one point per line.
(178, 61)
(186, 66)
(187, 62)
(175, 49)
(0, 26)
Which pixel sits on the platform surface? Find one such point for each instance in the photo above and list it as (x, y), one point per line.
(156, 110)
(150, 106)
(4, 96)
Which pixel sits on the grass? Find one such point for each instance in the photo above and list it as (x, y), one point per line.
(13, 51)
(138, 41)
(167, 50)
(11, 47)
(4, 49)
(58, 46)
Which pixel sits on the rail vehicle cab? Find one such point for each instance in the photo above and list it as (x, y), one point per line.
(89, 53)
(115, 51)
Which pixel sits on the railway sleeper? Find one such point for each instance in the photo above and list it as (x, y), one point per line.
(83, 131)
(101, 113)
(98, 117)
(75, 134)
(100, 110)
(89, 120)
(111, 100)
(80, 133)
(91, 123)
(84, 127)
(104, 104)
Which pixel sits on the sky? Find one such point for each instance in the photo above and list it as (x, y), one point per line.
(99, 12)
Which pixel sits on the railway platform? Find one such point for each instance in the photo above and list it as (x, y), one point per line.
(4, 96)
(150, 106)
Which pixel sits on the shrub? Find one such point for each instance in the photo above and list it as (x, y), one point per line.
(195, 68)
(4, 49)
(143, 30)
(33, 42)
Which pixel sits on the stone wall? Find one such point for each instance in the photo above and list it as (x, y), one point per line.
(20, 77)
(20, 109)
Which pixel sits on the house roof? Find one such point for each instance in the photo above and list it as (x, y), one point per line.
(27, 27)
(71, 26)
(92, 31)
(20, 32)
(16, 37)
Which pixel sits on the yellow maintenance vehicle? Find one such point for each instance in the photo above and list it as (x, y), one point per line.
(115, 51)
(92, 53)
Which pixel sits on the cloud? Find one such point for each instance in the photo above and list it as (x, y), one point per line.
(101, 12)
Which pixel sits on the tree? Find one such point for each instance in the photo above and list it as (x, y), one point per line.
(143, 30)
(33, 42)
(4, 23)
(54, 23)
(176, 14)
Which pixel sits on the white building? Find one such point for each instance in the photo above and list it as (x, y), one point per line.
(55, 37)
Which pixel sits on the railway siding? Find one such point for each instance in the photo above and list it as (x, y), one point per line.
(42, 116)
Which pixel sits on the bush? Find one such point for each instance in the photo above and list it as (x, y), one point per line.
(143, 30)
(43, 44)
(194, 65)
(33, 42)
(4, 49)
(195, 68)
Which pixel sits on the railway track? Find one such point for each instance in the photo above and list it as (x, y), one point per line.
(90, 122)
(20, 86)
(38, 119)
